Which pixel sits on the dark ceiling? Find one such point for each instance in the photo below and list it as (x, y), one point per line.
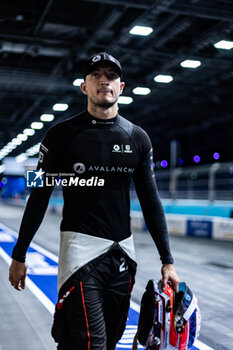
(43, 46)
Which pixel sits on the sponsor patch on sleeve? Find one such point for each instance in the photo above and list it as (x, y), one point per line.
(45, 149)
(41, 157)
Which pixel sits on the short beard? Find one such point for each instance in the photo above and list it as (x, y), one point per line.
(104, 104)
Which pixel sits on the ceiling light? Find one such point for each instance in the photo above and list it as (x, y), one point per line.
(60, 107)
(77, 82)
(4, 152)
(47, 117)
(190, 64)
(164, 163)
(163, 78)
(196, 159)
(216, 155)
(141, 30)
(224, 44)
(11, 146)
(30, 152)
(16, 141)
(20, 158)
(29, 132)
(141, 91)
(33, 150)
(125, 100)
(37, 125)
(22, 137)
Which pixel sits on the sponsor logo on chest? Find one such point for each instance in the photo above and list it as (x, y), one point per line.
(120, 148)
(80, 168)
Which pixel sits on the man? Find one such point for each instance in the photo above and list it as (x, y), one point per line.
(97, 259)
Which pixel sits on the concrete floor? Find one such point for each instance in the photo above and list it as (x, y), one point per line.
(206, 266)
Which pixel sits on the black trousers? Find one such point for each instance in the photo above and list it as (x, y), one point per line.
(93, 314)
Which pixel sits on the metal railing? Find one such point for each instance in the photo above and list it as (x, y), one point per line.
(209, 182)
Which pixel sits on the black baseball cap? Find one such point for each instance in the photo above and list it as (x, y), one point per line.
(99, 60)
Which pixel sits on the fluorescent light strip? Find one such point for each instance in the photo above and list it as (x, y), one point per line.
(161, 78)
(21, 158)
(126, 100)
(22, 137)
(77, 82)
(4, 152)
(33, 150)
(29, 132)
(141, 91)
(224, 45)
(60, 107)
(16, 141)
(37, 125)
(46, 117)
(9, 148)
(141, 30)
(190, 64)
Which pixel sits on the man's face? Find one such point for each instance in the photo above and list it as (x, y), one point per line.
(103, 86)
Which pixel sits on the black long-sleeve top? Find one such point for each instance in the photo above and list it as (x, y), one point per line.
(115, 151)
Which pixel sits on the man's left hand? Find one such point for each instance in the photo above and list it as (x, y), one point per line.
(169, 275)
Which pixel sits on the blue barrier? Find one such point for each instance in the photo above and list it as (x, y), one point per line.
(199, 228)
(187, 209)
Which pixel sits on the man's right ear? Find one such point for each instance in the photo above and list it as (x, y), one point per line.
(83, 87)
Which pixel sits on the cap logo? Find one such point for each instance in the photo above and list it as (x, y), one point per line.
(96, 58)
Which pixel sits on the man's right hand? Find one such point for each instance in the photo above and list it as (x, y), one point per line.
(17, 274)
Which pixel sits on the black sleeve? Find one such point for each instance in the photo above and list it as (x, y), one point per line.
(145, 184)
(38, 200)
